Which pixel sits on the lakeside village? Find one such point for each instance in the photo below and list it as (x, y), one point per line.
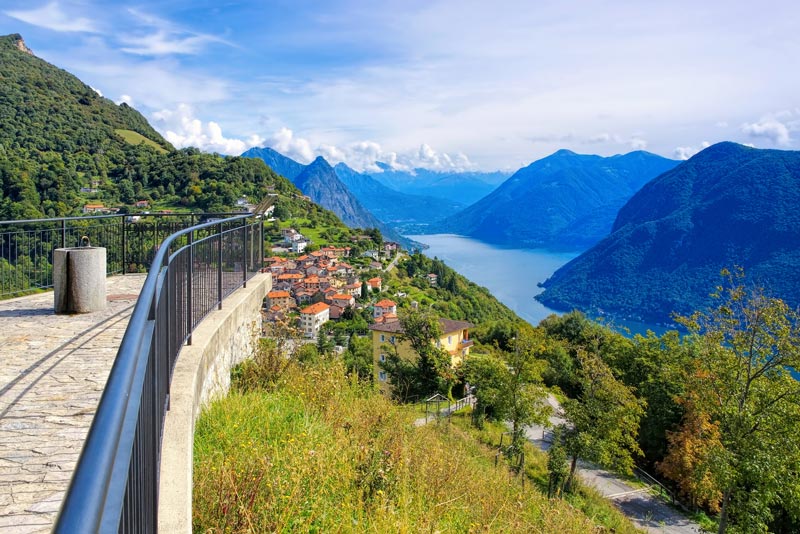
(315, 291)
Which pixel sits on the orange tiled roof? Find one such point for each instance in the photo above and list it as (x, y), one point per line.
(278, 294)
(341, 296)
(315, 308)
(290, 276)
(385, 303)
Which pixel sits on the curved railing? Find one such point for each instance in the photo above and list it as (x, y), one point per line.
(131, 242)
(115, 484)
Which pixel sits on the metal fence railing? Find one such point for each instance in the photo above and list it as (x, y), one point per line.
(131, 242)
(115, 484)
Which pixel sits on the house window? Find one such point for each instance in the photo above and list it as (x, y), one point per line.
(392, 340)
(383, 338)
(383, 357)
(382, 376)
(449, 340)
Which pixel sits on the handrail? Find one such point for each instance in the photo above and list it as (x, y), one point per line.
(26, 245)
(115, 484)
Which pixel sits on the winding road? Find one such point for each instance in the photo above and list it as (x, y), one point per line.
(647, 511)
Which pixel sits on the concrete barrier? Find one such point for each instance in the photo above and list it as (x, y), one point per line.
(202, 373)
(79, 279)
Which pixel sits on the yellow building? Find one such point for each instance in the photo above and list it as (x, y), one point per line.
(454, 339)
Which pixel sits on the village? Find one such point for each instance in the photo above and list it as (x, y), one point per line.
(311, 290)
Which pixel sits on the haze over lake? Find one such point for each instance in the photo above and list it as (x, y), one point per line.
(510, 274)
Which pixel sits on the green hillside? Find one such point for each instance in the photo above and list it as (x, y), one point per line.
(59, 136)
(730, 205)
(135, 138)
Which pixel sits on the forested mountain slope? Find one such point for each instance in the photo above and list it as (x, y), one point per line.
(730, 205)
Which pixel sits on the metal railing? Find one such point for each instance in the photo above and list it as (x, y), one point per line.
(131, 242)
(115, 484)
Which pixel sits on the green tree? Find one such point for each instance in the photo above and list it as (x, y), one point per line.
(511, 388)
(358, 357)
(739, 377)
(603, 421)
(557, 466)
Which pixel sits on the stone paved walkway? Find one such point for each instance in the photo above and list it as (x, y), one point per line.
(52, 372)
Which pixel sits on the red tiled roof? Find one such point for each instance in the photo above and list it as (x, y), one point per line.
(385, 303)
(342, 296)
(278, 294)
(315, 308)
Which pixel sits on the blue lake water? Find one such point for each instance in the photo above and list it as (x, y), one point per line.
(510, 274)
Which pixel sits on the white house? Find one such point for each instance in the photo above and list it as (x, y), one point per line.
(313, 317)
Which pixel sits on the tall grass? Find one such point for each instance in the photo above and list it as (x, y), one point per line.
(319, 452)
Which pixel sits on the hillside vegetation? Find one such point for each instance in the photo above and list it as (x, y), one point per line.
(564, 201)
(58, 136)
(730, 205)
(322, 453)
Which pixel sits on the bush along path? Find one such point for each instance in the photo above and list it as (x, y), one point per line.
(645, 510)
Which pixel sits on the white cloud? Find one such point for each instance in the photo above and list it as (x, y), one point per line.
(96, 90)
(686, 152)
(163, 43)
(362, 156)
(51, 16)
(769, 128)
(125, 99)
(287, 144)
(182, 129)
(637, 143)
(160, 37)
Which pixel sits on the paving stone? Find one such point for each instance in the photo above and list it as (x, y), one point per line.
(52, 372)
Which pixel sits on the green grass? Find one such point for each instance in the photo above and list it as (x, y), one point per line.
(318, 452)
(135, 138)
(585, 499)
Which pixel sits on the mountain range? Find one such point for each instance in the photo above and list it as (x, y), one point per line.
(728, 206)
(463, 188)
(404, 211)
(563, 201)
(320, 182)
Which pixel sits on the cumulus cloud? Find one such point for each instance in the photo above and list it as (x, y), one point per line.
(51, 17)
(363, 155)
(285, 142)
(769, 128)
(125, 99)
(96, 90)
(686, 152)
(181, 128)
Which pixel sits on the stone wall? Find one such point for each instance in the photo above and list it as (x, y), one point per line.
(202, 373)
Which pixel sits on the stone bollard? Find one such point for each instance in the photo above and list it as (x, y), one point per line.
(79, 279)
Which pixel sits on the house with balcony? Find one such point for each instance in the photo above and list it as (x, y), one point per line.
(342, 300)
(388, 336)
(312, 318)
(282, 299)
(382, 307)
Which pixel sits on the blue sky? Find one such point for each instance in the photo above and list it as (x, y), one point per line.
(441, 84)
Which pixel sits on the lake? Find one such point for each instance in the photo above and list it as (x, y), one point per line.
(510, 274)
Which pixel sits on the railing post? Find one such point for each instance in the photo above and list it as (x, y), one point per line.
(155, 234)
(244, 253)
(219, 268)
(124, 246)
(63, 233)
(189, 287)
(261, 240)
